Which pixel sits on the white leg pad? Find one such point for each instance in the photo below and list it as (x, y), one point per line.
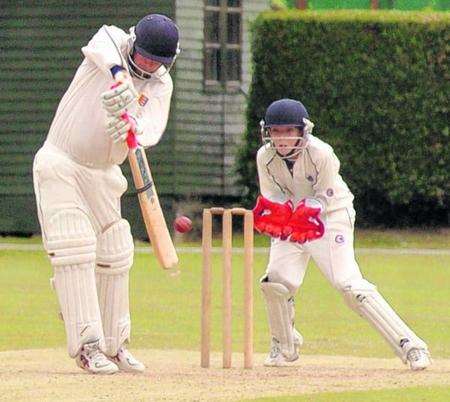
(298, 338)
(363, 297)
(70, 242)
(280, 313)
(114, 260)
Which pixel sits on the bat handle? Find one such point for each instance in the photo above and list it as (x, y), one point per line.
(131, 140)
(131, 136)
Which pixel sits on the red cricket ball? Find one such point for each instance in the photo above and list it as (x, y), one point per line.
(182, 224)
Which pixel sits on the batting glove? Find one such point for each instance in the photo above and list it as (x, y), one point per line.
(118, 127)
(120, 99)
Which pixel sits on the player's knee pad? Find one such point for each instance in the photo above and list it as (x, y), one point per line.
(71, 243)
(114, 260)
(280, 312)
(70, 238)
(278, 277)
(364, 298)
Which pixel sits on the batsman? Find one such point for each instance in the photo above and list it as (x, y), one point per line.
(78, 183)
(307, 209)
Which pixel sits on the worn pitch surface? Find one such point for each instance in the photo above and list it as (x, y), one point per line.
(50, 375)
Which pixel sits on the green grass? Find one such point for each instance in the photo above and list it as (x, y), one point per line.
(166, 309)
(416, 394)
(437, 238)
(431, 238)
(418, 238)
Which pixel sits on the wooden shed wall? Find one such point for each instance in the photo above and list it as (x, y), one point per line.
(40, 46)
(208, 126)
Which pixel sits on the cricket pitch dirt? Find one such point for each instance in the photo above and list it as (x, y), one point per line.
(175, 375)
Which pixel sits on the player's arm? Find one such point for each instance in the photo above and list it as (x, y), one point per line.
(104, 48)
(268, 186)
(328, 166)
(273, 209)
(305, 223)
(153, 115)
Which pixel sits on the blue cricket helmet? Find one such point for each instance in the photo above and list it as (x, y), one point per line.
(286, 112)
(157, 38)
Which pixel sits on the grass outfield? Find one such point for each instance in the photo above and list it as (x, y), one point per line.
(400, 238)
(166, 309)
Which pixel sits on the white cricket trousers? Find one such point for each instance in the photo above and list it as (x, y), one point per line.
(333, 254)
(60, 182)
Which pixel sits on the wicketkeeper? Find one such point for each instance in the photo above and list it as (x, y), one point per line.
(307, 209)
(78, 183)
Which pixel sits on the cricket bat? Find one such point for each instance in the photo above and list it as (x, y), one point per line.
(152, 214)
(151, 209)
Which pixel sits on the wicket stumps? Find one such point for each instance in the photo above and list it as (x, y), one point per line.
(227, 235)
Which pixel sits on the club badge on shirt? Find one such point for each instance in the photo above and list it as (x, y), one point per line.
(142, 100)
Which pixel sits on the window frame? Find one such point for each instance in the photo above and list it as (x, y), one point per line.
(222, 83)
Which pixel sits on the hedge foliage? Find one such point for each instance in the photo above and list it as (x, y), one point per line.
(376, 85)
(365, 4)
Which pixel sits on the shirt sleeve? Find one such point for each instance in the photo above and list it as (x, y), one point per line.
(154, 115)
(105, 48)
(268, 185)
(327, 177)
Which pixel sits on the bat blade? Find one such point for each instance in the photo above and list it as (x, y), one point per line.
(152, 214)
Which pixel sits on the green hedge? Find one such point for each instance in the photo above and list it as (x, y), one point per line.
(376, 86)
(428, 5)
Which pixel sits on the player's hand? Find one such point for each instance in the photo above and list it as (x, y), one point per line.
(305, 223)
(309, 235)
(270, 217)
(119, 126)
(123, 76)
(120, 99)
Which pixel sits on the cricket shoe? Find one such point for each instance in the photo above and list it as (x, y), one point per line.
(276, 358)
(126, 362)
(94, 361)
(418, 359)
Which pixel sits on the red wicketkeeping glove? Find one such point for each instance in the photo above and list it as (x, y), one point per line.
(305, 223)
(271, 217)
